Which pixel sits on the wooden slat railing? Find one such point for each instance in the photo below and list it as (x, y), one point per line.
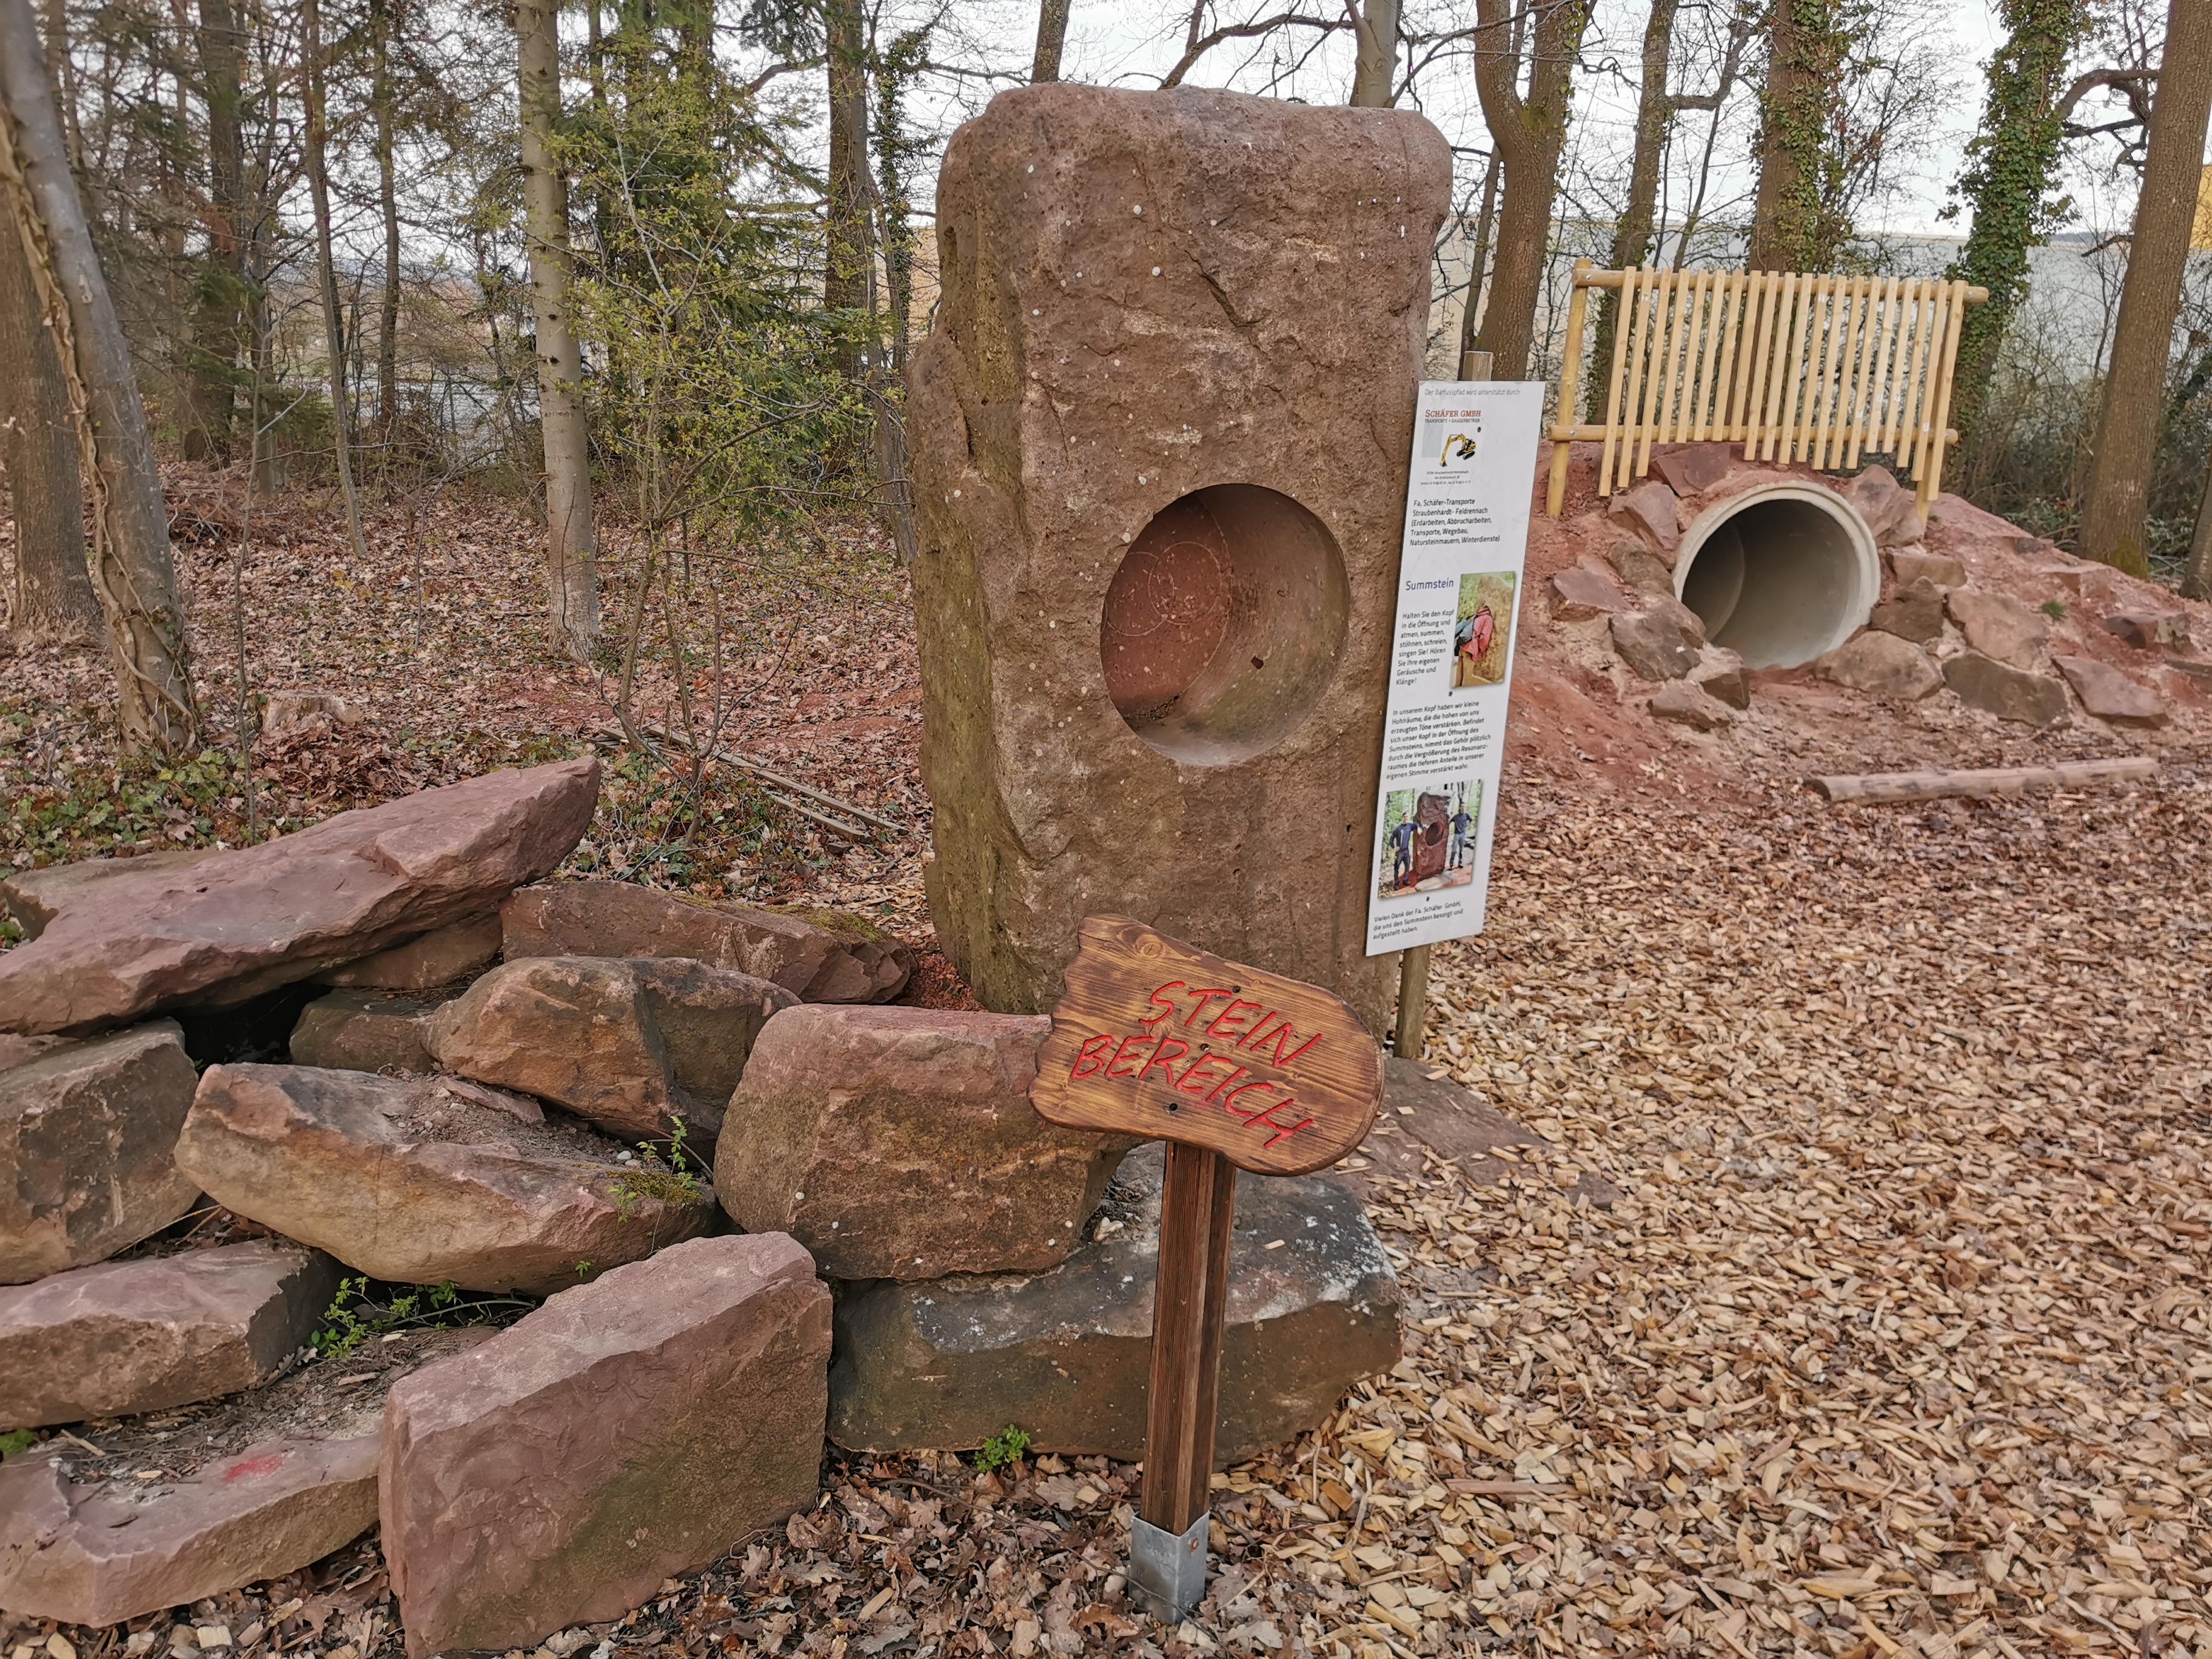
(1795, 368)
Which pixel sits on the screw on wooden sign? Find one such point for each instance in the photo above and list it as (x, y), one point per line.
(1234, 1068)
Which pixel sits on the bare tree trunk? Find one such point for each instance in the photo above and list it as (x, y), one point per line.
(572, 575)
(53, 598)
(1470, 315)
(133, 576)
(1374, 76)
(211, 389)
(1632, 232)
(318, 188)
(60, 75)
(2197, 577)
(1052, 40)
(384, 23)
(2118, 495)
(1528, 132)
(848, 267)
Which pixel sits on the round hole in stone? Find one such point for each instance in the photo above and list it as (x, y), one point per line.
(1780, 575)
(1223, 623)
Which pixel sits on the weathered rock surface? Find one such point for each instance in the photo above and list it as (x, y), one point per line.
(1660, 641)
(627, 1045)
(230, 926)
(1882, 666)
(1579, 594)
(1915, 564)
(2150, 629)
(1680, 703)
(2010, 693)
(900, 1142)
(821, 956)
(366, 1030)
(87, 1133)
(1425, 1117)
(639, 1426)
(1290, 364)
(127, 1337)
(1890, 510)
(1648, 511)
(405, 1180)
(35, 897)
(1692, 469)
(97, 1554)
(1999, 627)
(1640, 568)
(1914, 612)
(438, 957)
(15, 1048)
(1067, 1353)
(1720, 673)
(2110, 695)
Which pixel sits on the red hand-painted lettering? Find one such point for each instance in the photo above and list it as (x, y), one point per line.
(1163, 1002)
(1163, 1059)
(1094, 1050)
(1120, 1053)
(1204, 997)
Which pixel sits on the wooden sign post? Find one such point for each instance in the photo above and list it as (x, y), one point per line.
(1234, 1068)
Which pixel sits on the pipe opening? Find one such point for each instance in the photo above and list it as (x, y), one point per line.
(1779, 575)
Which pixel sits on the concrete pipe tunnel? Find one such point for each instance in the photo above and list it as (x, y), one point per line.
(1779, 574)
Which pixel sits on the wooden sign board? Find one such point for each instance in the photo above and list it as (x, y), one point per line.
(1159, 1039)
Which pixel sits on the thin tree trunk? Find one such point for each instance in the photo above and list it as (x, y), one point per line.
(211, 389)
(1632, 232)
(60, 75)
(571, 576)
(383, 25)
(1470, 315)
(847, 269)
(1528, 131)
(2196, 576)
(53, 600)
(2118, 496)
(1374, 74)
(133, 576)
(318, 188)
(1051, 40)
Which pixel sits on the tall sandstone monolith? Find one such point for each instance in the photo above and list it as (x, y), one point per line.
(1160, 440)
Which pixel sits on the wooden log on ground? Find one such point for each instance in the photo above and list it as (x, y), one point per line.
(1991, 780)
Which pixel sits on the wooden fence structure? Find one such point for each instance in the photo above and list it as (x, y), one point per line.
(1794, 367)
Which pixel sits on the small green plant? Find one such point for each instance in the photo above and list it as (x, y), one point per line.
(583, 1270)
(665, 1177)
(1003, 1449)
(2054, 609)
(355, 1315)
(16, 1441)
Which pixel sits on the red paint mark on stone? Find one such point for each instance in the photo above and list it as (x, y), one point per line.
(267, 1463)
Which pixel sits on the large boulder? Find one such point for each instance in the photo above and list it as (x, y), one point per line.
(900, 1142)
(366, 1030)
(1999, 627)
(628, 1046)
(87, 1133)
(2110, 695)
(35, 897)
(227, 928)
(127, 1337)
(407, 1178)
(819, 956)
(2010, 693)
(1882, 666)
(642, 1426)
(98, 1553)
(1312, 1307)
(438, 957)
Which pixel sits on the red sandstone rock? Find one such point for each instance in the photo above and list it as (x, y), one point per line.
(1681, 703)
(1692, 469)
(1579, 594)
(820, 956)
(1882, 666)
(1649, 511)
(364, 1031)
(2110, 695)
(405, 1180)
(438, 957)
(642, 1426)
(35, 897)
(1999, 626)
(1914, 565)
(2150, 629)
(89, 1554)
(233, 926)
(127, 1337)
(2010, 693)
(900, 1142)
(1890, 511)
(87, 1131)
(627, 1045)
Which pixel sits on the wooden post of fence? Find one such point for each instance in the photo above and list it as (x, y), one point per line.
(1570, 375)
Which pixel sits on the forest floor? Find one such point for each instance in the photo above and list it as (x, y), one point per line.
(1896, 1342)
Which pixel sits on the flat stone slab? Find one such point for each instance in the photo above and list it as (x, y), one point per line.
(1580, 594)
(1067, 1353)
(86, 1134)
(1426, 1117)
(1918, 565)
(1680, 703)
(413, 1181)
(225, 929)
(1999, 627)
(2151, 628)
(1882, 666)
(819, 956)
(127, 1337)
(35, 897)
(438, 957)
(628, 1047)
(1914, 612)
(2010, 693)
(2110, 695)
(98, 1554)
(1649, 511)
(366, 1030)
(900, 1142)
(639, 1426)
